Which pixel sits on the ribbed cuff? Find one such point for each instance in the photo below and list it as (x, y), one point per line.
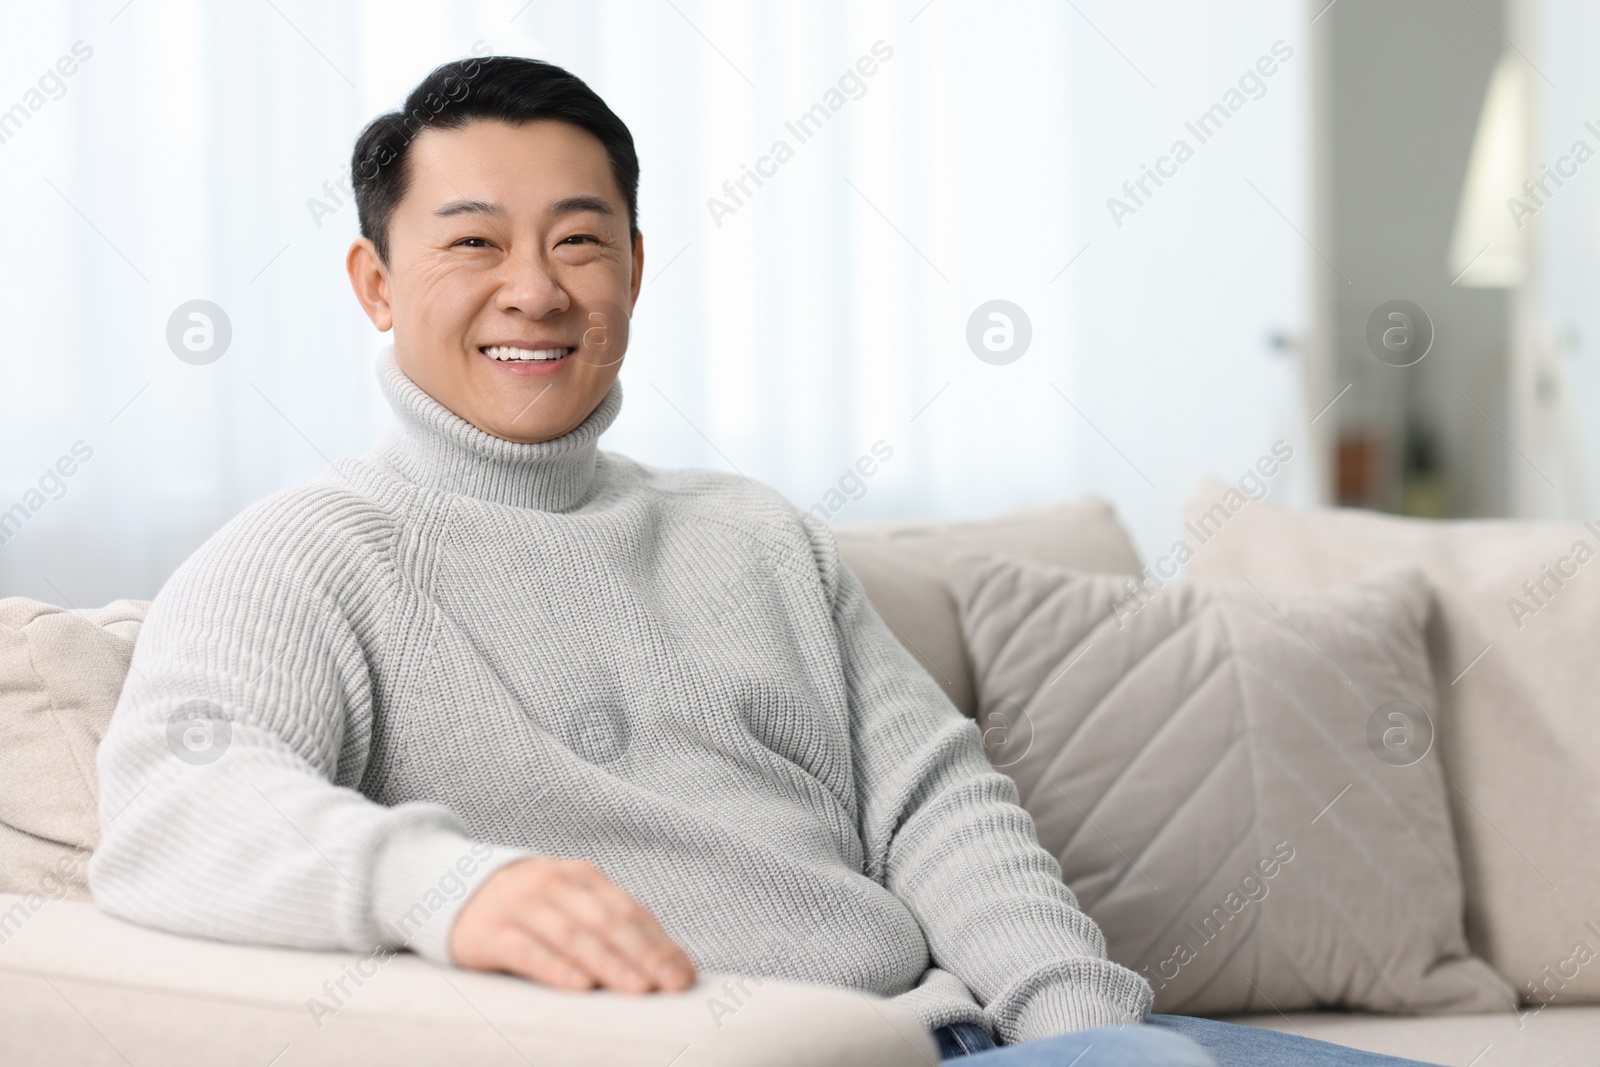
(941, 999)
(421, 883)
(1075, 994)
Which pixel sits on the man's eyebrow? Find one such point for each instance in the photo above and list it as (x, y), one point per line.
(572, 205)
(469, 207)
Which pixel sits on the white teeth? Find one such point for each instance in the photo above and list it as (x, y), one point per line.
(507, 354)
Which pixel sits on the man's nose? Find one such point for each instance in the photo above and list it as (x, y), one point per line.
(527, 286)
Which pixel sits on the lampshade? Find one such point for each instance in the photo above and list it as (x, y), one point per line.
(1489, 247)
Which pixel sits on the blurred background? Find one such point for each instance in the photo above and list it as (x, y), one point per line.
(1034, 249)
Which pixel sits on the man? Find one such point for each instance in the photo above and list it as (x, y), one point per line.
(521, 705)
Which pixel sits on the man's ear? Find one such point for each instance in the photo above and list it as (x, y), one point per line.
(638, 272)
(370, 279)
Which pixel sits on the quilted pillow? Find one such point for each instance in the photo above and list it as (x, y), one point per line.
(1513, 641)
(60, 675)
(1244, 793)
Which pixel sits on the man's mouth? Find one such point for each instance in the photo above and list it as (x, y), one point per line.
(512, 354)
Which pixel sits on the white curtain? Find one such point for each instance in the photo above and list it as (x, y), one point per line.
(1560, 344)
(197, 151)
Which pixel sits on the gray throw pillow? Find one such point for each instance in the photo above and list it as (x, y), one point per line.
(1243, 792)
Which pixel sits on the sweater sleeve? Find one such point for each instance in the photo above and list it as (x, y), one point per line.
(944, 832)
(228, 799)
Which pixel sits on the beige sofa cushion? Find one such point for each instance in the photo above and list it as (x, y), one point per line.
(903, 564)
(60, 675)
(79, 987)
(1202, 763)
(1519, 725)
(1553, 1037)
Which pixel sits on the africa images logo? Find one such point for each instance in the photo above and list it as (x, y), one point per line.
(198, 732)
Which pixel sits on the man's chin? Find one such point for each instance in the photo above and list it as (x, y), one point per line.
(529, 430)
(537, 411)
(528, 408)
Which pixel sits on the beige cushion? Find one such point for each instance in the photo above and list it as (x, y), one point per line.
(1200, 761)
(77, 986)
(1520, 733)
(60, 675)
(1555, 1037)
(902, 565)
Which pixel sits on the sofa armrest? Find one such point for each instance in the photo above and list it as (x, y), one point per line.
(77, 986)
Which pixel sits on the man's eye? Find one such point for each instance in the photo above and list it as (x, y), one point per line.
(581, 237)
(473, 242)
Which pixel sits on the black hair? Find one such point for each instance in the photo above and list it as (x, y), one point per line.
(506, 89)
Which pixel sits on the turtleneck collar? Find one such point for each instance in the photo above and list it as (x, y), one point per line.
(434, 447)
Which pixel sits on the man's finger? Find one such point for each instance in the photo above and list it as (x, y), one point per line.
(583, 946)
(519, 952)
(628, 926)
(634, 935)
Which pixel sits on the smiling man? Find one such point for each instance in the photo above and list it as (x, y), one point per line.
(517, 704)
(507, 266)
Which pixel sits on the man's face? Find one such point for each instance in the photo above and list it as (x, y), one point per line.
(511, 243)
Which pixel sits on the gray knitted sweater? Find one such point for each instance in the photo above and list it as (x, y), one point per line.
(361, 697)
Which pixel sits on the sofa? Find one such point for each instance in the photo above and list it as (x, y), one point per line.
(1518, 743)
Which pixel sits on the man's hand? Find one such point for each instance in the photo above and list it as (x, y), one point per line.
(562, 923)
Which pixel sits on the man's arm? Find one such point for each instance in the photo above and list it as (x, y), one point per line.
(248, 699)
(944, 832)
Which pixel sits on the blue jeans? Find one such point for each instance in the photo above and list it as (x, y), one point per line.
(1165, 1041)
